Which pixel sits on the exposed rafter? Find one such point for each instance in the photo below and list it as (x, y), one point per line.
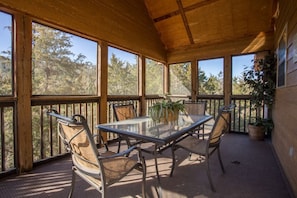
(186, 24)
(184, 9)
(183, 24)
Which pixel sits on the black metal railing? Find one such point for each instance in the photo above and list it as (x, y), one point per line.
(7, 137)
(244, 113)
(45, 140)
(47, 144)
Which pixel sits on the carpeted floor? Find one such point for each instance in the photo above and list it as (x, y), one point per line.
(251, 172)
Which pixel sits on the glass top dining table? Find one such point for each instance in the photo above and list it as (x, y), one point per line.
(162, 135)
(148, 130)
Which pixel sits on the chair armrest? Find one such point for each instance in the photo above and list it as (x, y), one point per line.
(101, 141)
(123, 153)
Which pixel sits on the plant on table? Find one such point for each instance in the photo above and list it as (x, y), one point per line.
(166, 110)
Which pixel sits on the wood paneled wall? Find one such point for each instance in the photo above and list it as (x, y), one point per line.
(284, 135)
(124, 23)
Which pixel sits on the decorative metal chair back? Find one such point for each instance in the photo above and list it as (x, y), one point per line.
(195, 108)
(78, 139)
(220, 126)
(124, 112)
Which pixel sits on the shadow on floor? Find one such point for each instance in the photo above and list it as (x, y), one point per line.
(251, 172)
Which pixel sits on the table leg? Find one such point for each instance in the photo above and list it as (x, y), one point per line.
(159, 187)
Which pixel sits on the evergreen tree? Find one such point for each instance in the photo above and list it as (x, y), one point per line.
(122, 77)
(180, 78)
(55, 69)
(154, 77)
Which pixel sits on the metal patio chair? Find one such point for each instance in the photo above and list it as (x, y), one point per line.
(206, 147)
(99, 169)
(196, 108)
(124, 112)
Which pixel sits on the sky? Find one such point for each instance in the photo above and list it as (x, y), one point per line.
(214, 66)
(5, 35)
(89, 49)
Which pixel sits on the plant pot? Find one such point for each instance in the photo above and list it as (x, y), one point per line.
(169, 116)
(256, 132)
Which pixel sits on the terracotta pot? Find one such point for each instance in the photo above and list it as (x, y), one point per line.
(256, 132)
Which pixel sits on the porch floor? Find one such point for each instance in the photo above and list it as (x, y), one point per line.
(252, 171)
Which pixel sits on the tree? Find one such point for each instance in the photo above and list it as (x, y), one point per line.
(210, 85)
(122, 77)
(6, 69)
(180, 78)
(55, 69)
(154, 77)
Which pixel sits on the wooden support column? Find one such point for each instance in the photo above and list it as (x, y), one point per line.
(141, 84)
(23, 83)
(227, 79)
(194, 80)
(166, 79)
(102, 83)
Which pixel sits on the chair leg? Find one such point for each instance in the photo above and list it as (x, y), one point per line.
(143, 178)
(220, 159)
(173, 160)
(208, 173)
(103, 191)
(72, 184)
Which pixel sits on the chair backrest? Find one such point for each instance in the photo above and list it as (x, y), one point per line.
(124, 112)
(79, 141)
(195, 108)
(221, 124)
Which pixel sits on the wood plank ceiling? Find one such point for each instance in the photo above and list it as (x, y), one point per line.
(184, 23)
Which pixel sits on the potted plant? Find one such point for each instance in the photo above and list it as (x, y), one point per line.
(260, 78)
(166, 110)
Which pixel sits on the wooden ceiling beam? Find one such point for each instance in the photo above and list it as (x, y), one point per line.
(185, 21)
(198, 5)
(186, 9)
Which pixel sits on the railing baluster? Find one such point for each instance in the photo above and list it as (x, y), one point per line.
(45, 129)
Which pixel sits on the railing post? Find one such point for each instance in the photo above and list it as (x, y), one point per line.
(227, 79)
(23, 92)
(102, 84)
(141, 83)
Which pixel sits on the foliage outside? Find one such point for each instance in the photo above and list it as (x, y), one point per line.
(180, 78)
(56, 70)
(153, 77)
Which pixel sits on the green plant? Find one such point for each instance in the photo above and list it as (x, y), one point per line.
(165, 108)
(266, 122)
(260, 78)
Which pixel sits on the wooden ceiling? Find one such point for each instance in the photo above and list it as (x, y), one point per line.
(195, 23)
